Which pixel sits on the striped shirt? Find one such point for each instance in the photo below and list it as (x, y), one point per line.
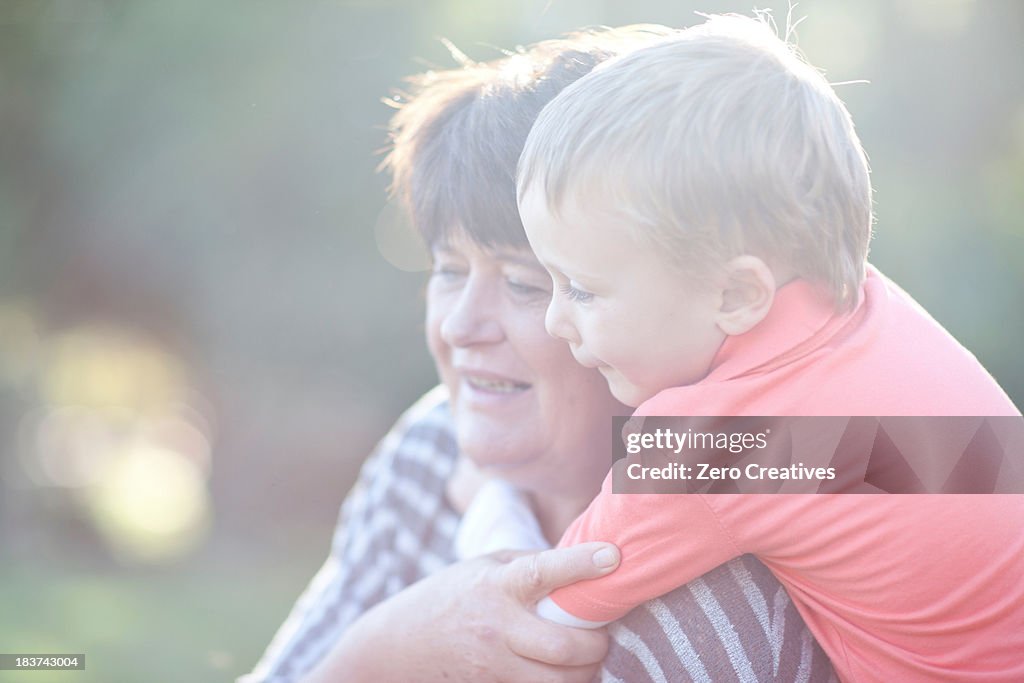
(735, 623)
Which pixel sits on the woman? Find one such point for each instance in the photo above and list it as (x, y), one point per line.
(392, 604)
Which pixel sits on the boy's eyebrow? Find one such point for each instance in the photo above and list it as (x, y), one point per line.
(577, 275)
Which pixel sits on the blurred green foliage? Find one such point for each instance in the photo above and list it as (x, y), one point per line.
(160, 626)
(197, 180)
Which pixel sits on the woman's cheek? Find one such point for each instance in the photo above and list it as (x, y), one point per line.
(439, 350)
(531, 322)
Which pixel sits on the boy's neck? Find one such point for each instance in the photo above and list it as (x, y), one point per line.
(800, 312)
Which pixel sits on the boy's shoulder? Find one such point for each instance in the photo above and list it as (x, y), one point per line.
(887, 357)
(922, 363)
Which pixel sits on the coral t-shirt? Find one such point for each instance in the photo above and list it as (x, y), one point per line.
(894, 587)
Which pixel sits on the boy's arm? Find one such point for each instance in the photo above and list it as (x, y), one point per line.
(666, 541)
(549, 609)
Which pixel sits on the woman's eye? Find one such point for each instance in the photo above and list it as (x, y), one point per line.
(526, 289)
(447, 272)
(573, 293)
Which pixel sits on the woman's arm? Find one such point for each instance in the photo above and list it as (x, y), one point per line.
(474, 622)
(385, 606)
(735, 623)
(395, 528)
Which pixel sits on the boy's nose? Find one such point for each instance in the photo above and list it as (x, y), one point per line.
(471, 319)
(557, 323)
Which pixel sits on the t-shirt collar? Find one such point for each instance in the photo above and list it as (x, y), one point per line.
(799, 321)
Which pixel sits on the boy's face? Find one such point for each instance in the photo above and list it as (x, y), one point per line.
(621, 305)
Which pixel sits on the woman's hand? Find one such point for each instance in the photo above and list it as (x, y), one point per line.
(475, 621)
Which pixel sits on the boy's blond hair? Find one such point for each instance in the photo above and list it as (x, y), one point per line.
(458, 133)
(717, 141)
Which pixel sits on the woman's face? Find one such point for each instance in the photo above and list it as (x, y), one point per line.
(523, 408)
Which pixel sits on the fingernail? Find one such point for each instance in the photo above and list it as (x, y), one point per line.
(605, 557)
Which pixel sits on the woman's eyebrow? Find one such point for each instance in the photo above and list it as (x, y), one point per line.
(520, 259)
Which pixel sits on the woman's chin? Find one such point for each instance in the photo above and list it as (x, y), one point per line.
(499, 415)
(495, 448)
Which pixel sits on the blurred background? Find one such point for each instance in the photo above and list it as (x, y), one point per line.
(209, 313)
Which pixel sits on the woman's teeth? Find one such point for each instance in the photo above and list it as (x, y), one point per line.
(496, 386)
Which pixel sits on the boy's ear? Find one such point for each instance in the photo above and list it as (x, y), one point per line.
(748, 291)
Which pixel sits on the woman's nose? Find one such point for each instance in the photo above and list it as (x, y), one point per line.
(557, 322)
(473, 317)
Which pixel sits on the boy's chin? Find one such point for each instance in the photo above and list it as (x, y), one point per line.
(624, 391)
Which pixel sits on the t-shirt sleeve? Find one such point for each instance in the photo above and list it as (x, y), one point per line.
(394, 528)
(666, 540)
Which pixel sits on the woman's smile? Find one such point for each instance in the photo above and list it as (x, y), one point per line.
(491, 383)
(519, 399)
(489, 389)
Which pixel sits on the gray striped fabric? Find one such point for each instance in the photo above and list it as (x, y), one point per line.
(735, 623)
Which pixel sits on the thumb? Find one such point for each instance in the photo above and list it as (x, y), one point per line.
(533, 576)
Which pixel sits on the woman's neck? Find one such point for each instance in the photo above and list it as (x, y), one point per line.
(556, 513)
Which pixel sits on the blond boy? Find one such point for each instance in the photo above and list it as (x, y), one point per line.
(704, 209)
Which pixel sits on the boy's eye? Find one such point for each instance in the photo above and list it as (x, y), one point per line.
(575, 294)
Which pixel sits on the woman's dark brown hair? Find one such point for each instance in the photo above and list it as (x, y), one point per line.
(457, 135)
